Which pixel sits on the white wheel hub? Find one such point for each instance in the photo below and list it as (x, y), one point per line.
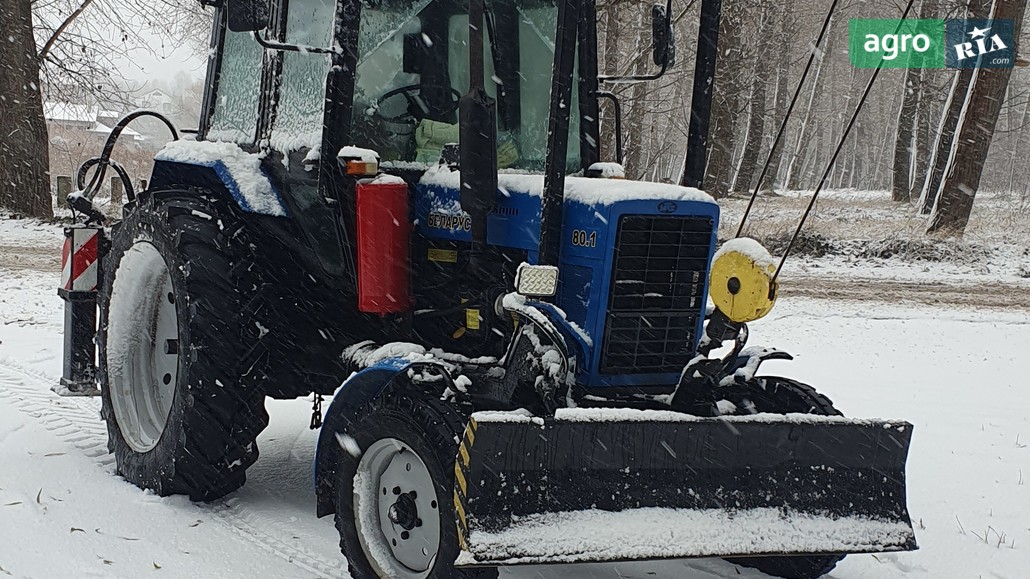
(142, 346)
(396, 510)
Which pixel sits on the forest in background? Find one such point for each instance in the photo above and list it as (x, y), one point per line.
(764, 46)
(907, 131)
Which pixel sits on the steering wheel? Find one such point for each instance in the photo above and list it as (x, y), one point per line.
(416, 109)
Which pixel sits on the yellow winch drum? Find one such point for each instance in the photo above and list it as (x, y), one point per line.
(741, 284)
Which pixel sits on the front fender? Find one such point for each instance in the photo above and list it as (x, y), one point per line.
(749, 360)
(360, 388)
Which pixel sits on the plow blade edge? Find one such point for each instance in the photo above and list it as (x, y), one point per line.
(602, 485)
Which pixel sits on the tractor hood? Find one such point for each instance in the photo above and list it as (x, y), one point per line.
(514, 220)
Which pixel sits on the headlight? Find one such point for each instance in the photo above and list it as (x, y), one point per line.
(536, 280)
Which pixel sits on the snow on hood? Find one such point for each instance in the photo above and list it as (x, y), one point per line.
(580, 189)
(239, 170)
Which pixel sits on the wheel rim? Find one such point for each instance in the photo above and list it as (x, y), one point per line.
(396, 510)
(142, 346)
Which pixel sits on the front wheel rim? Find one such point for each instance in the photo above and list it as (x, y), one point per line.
(396, 510)
(142, 346)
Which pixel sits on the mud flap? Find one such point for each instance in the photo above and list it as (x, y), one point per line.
(609, 485)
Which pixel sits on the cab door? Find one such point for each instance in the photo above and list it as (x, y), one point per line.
(293, 134)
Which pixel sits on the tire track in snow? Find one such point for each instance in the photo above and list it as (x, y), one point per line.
(77, 421)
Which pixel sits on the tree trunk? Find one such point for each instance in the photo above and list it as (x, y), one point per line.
(945, 138)
(757, 110)
(904, 175)
(949, 123)
(24, 144)
(923, 144)
(636, 148)
(726, 100)
(978, 118)
(794, 167)
(782, 94)
(610, 66)
(901, 175)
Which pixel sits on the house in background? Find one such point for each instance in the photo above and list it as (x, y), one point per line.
(78, 132)
(158, 100)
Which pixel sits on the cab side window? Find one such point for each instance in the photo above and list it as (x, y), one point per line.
(299, 114)
(235, 113)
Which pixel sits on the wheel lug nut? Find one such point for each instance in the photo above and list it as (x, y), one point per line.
(396, 490)
(418, 522)
(405, 535)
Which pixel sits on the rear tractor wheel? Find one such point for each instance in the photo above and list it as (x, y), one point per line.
(177, 421)
(781, 396)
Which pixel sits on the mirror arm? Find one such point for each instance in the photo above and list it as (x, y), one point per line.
(637, 77)
(272, 45)
(643, 77)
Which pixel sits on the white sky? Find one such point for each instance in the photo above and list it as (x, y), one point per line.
(164, 62)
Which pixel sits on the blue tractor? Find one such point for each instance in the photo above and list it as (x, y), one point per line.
(401, 204)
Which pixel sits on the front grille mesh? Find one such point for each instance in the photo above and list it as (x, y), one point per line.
(657, 293)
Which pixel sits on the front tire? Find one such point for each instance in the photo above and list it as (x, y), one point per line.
(394, 506)
(178, 420)
(782, 396)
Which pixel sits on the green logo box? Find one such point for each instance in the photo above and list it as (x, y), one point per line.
(896, 43)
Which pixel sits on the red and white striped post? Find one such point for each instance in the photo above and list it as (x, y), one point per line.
(80, 268)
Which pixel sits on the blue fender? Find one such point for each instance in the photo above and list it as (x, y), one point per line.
(360, 388)
(748, 361)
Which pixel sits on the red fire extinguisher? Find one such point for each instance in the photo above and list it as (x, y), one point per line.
(384, 235)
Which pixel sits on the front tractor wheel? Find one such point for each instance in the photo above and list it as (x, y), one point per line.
(782, 396)
(394, 491)
(178, 422)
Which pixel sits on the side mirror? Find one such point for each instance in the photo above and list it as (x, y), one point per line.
(663, 35)
(246, 15)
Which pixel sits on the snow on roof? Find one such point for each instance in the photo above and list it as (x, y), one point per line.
(102, 129)
(59, 112)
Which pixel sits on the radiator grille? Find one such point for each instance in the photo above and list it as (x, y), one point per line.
(657, 293)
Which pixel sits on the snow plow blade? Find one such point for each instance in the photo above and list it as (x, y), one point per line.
(604, 485)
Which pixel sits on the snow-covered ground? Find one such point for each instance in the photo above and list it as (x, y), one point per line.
(957, 373)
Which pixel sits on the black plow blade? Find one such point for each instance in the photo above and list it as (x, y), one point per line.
(604, 485)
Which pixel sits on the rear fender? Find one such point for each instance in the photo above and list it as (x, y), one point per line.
(360, 388)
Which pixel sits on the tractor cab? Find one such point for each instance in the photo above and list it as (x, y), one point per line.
(411, 68)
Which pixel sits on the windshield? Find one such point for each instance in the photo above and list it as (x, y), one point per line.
(413, 67)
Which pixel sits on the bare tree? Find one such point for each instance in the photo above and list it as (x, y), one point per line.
(757, 111)
(75, 57)
(24, 182)
(972, 142)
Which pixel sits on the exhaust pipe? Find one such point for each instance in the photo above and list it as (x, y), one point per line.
(477, 134)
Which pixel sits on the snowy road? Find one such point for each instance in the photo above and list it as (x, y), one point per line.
(958, 374)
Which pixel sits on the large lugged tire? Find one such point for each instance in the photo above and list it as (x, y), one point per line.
(782, 396)
(178, 421)
(398, 467)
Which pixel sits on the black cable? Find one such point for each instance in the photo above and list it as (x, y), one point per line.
(104, 160)
(790, 109)
(840, 146)
(80, 178)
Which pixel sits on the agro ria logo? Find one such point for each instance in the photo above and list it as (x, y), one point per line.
(979, 43)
